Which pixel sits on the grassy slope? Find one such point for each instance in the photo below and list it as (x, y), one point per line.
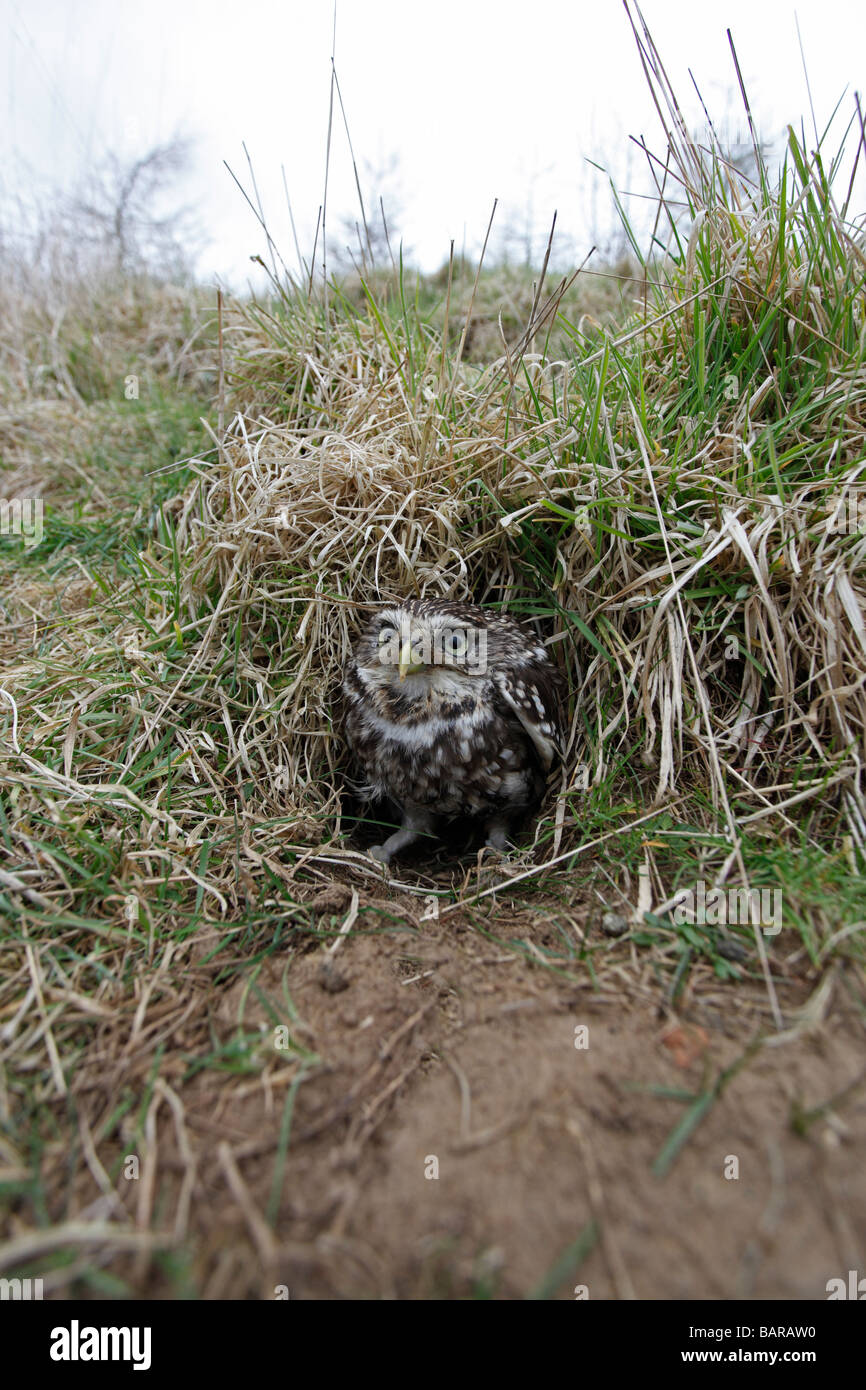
(659, 505)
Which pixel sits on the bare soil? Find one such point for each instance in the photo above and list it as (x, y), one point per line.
(449, 1139)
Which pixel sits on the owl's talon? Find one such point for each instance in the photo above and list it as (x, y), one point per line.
(400, 840)
(488, 852)
(497, 838)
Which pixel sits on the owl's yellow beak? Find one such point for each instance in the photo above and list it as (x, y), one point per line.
(408, 665)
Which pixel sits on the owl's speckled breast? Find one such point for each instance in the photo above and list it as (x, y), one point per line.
(461, 766)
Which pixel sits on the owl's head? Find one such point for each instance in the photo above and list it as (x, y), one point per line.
(421, 645)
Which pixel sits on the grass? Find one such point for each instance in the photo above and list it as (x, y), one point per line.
(653, 477)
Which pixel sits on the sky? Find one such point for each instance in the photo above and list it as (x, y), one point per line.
(449, 106)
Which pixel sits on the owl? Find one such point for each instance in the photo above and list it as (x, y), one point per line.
(451, 711)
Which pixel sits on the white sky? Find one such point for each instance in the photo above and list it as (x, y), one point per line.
(476, 98)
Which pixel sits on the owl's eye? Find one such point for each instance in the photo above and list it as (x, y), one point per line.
(455, 644)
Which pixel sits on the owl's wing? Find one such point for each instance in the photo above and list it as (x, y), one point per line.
(534, 693)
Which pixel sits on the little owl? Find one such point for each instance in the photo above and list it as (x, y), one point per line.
(452, 711)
